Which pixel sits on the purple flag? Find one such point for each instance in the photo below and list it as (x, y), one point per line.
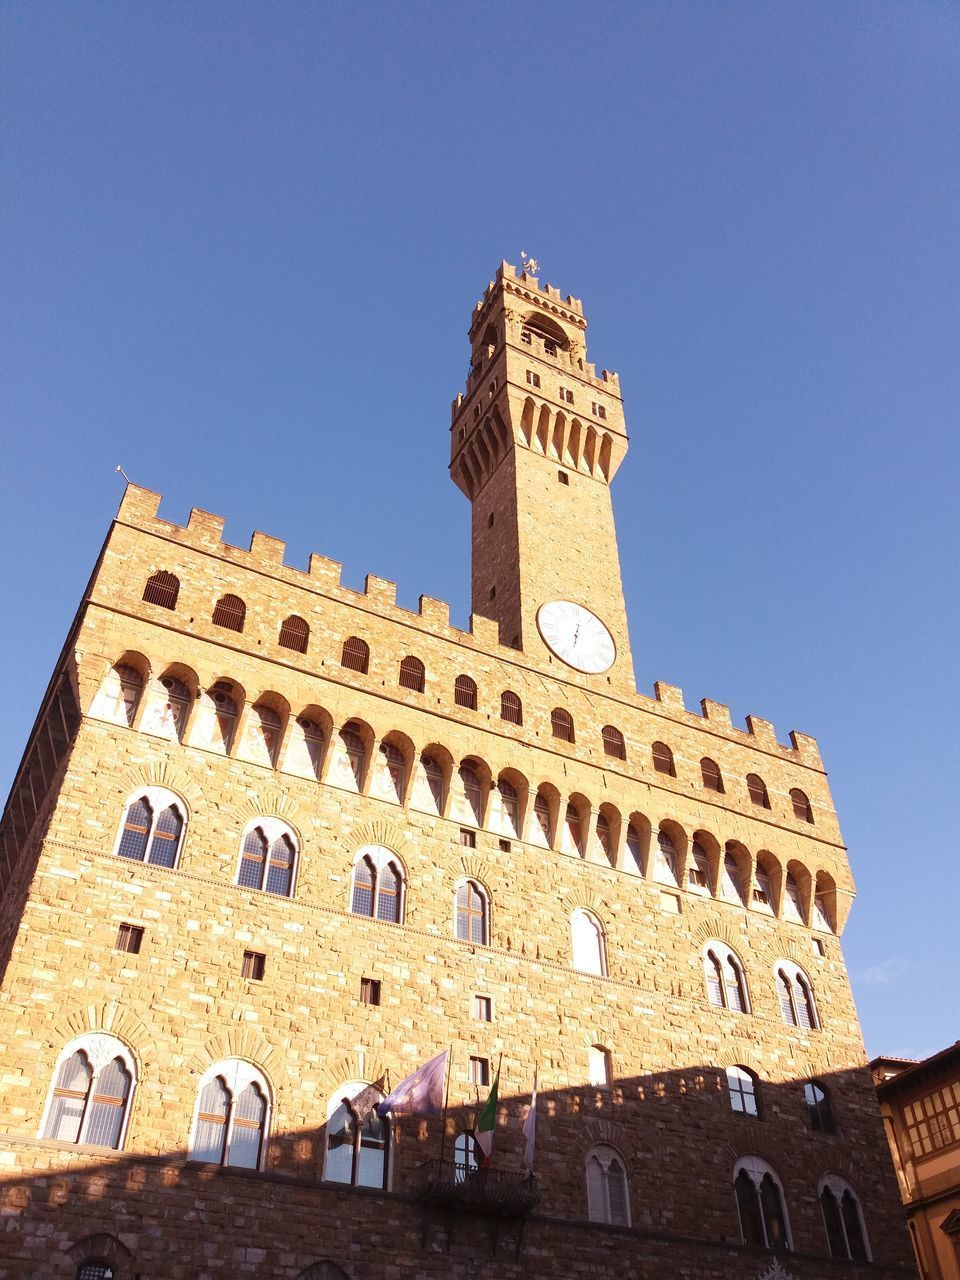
(421, 1093)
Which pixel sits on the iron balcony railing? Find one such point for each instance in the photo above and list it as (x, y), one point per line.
(498, 1191)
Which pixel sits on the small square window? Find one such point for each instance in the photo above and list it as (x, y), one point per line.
(670, 904)
(533, 378)
(254, 963)
(598, 410)
(526, 337)
(468, 838)
(369, 990)
(563, 477)
(129, 939)
(566, 395)
(505, 846)
(483, 1008)
(480, 1071)
(549, 347)
(819, 949)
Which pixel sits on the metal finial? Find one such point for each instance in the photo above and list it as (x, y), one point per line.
(529, 264)
(124, 474)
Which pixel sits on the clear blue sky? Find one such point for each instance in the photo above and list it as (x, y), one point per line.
(240, 246)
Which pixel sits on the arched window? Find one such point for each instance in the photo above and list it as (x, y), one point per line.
(162, 588)
(541, 814)
(561, 725)
(230, 612)
(726, 983)
(119, 696)
(231, 1123)
(802, 808)
(819, 1110)
(294, 634)
(663, 759)
(613, 744)
(390, 775)
(358, 1140)
(472, 792)
(665, 859)
(589, 952)
(744, 1091)
(216, 718)
(607, 1195)
(511, 708)
(355, 655)
(413, 675)
(261, 738)
(267, 858)
(843, 1219)
(152, 828)
(304, 755)
(795, 996)
(763, 1214)
(758, 790)
(571, 836)
(465, 692)
(377, 884)
(509, 807)
(698, 871)
(467, 1156)
(349, 759)
(792, 902)
(92, 1088)
(598, 1061)
(165, 715)
(710, 772)
(731, 882)
(472, 923)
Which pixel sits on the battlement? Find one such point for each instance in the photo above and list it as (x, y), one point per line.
(548, 292)
(203, 532)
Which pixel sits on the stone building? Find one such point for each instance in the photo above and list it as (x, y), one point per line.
(273, 843)
(920, 1106)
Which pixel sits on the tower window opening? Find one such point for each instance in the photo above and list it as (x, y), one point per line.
(254, 965)
(413, 674)
(598, 410)
(526, 337)
(162, 589)
(549, 346)
(490, 520)
(493, 593)
(533, 379)
(563, 477)
(465, 692)
(566, 395)
(294, 634)
(613, 744)
(355, 655)
(663, 759)
(230, 612)
(561, 725)
(511, 708)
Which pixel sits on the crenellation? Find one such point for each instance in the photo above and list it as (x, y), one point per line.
(807, 749)
(435, 613)
(763, 731)
(206, 528)
(266, 550)
(325, 570)
(380, 591)
(669, 696)
(717, 714)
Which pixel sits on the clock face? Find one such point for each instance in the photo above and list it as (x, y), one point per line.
(576, 636)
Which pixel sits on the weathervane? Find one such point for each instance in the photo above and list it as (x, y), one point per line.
(530, 265)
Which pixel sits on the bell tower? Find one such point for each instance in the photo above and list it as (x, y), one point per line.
(535, 441)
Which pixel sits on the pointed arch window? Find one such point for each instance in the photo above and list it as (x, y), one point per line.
(358, 1139)
(465, 692)
(561, 725)
(726, 982)
(152, 828)
(613, 743)
(231, 1122)
(795, 997)
(758, 790)
(608, 1198)
(665, 859)
(267, 858)
(589, 950)
(355, 655)
(712, 777)
(760, 1204)
(802, 808)
(165, 715)
(743, 1091)
(819, 1110)
(472, 914)
(119, 696)
(511, 708)
(230, 612)
(378, 885)
(294, 634)
(162, 588)
(843, 1219)
(92, 1088)
(663, 760)
(413, 674)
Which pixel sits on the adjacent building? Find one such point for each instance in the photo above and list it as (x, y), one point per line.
(275, 842)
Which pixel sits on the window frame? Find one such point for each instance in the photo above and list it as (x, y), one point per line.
(412, 674)
(159, 800)
(465, 687)
(382, 856)
(614, 743)
(358, 651)
(170, 585)
(839, 1188)
(291, 636)
(603, 1213)
(756, 1170)
(237, 1074)
(101, 1050)
(273, 830)
(738, 1078)
(664, 761)
(795, 976)
(230, 613)
(470, 882)
(726, 958)
(601, 934)
(562, 728)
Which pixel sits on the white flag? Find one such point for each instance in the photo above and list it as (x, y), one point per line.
(530, 1127)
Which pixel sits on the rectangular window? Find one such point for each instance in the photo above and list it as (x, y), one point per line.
(934, 1120)
(598, 410)
(818, 948)
(566, 395)
(129, 938)
(563, 477)
(468, 838)
(369, 990)
(526, 337)
(480, 1071)
(254, 963)
(505, 846)
(483, 1008)
(533, 378)
(549, 347)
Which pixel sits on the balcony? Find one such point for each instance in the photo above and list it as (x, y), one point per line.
(450, 1184)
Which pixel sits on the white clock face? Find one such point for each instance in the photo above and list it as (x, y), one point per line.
(576, 636)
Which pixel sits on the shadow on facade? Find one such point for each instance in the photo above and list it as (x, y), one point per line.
(660, 1152)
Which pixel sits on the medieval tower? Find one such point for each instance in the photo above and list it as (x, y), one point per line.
(275, 843)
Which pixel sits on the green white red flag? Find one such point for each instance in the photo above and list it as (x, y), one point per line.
(486, 1121)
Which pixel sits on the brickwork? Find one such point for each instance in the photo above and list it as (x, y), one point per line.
(181, 1004)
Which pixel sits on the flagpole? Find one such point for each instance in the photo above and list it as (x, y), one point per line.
(446, 1100)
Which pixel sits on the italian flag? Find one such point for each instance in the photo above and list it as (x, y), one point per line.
(485, 1122)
